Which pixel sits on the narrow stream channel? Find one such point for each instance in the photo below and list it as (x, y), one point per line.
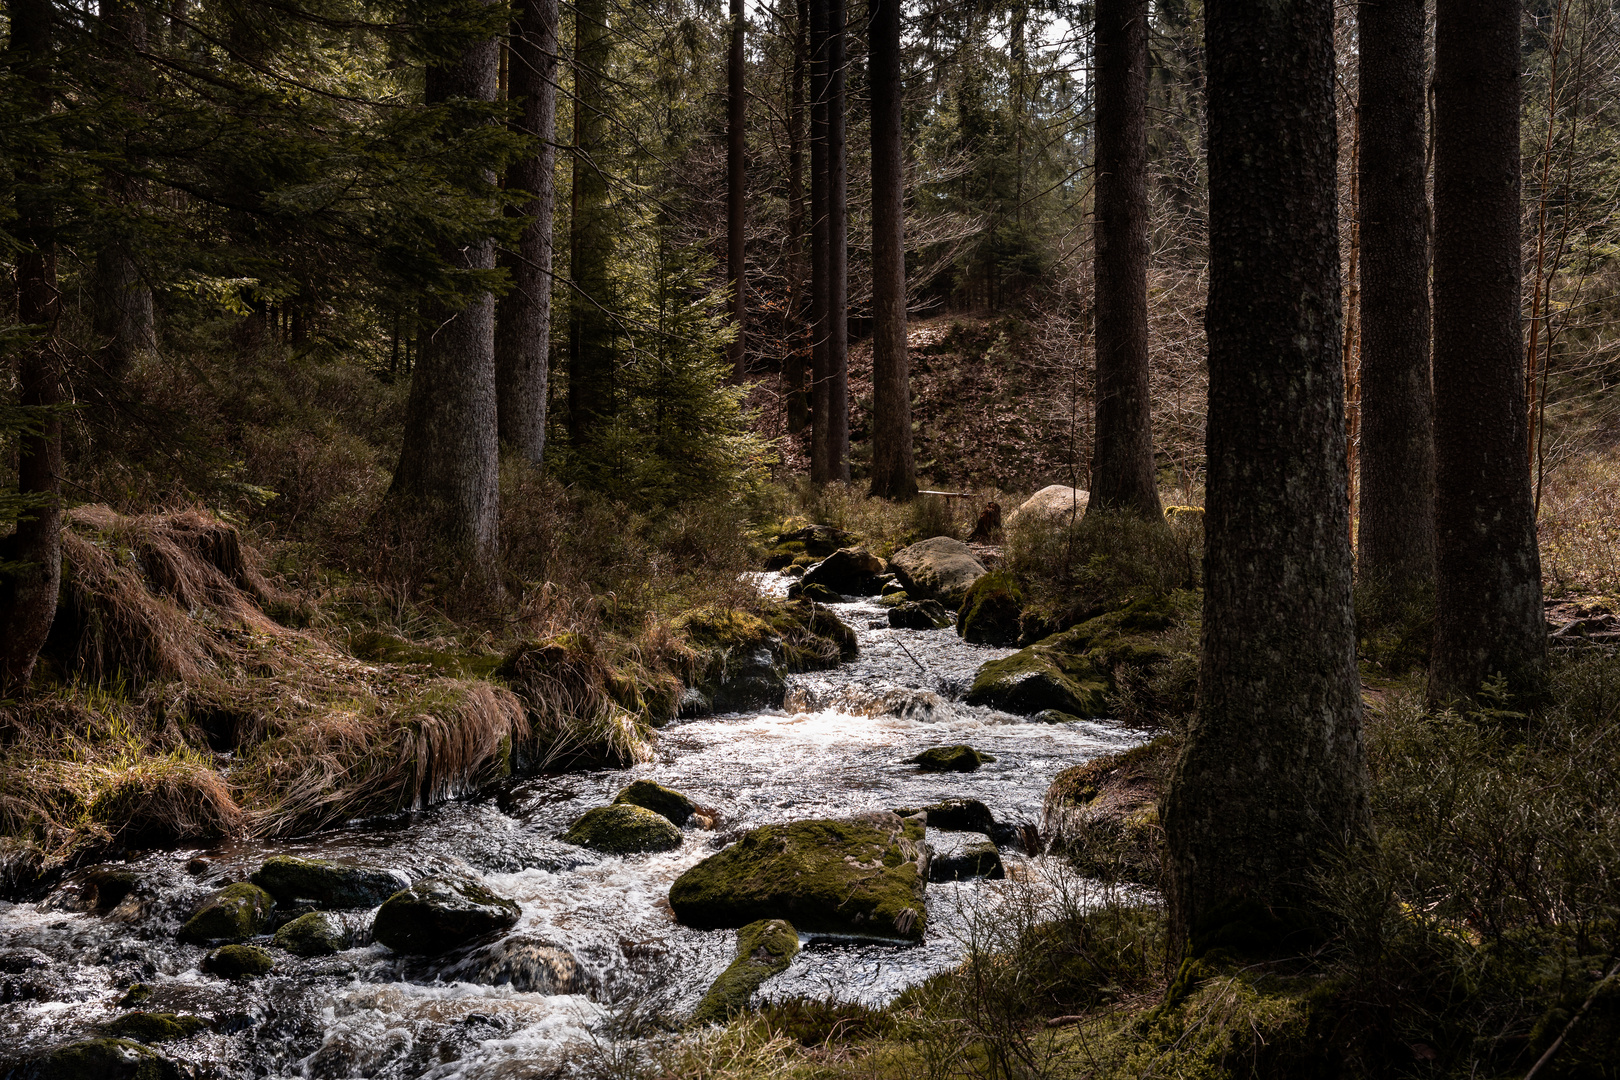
(492, 1011)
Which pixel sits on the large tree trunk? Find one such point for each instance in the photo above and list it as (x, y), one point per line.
(1122, 473)
(590, 240)
(736, 184)
(445, 496)
(894, 476)
(28, 594)
(523, 318)
(1396, 536)
(1488, 571)
(820, 288)
(1273, 775)
(122, 301)
(798, 399)
(837, 463)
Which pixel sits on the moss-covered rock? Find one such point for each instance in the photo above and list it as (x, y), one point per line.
(861, 877)
(234, 913)
(764, 948)
(742, 665)
(815, 541)
(957, 758)
(918, 615)
(990, 612)
(894, 599)
(239, 961)
(966, 862)
(623, 829)
(314, 933)
(851, 570)
(657, 798)
(97, 888)
(940, 569)
(137, 994)
(891, 587)
(438, 914)
(821, 594)
(151, 1027)
(325, 883)
(1104, 814)
(1055, 716)
(1074, 671)
(98, 1059)
(813, 637)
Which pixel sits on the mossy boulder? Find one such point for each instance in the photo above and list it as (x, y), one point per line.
(957, 758)
(816, 541)
(852, 570)
(893, 599)
(314, 933)
(1074, 671)
(990, 613)
(742, 664)
(1104, 814)
(623, 829)
(813, 637)
(821, 594)
(234, 913)
(862, 877)
(657, 798)
(940, 569)
(967, 861)
(438, 914)
(151, 1027)
(326, 884)
(918, 615)
(1055, 716)
(891, 587)
(98, 1059)
(764, 948)
(239, 961)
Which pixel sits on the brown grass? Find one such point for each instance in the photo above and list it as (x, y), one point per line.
(1579, 526)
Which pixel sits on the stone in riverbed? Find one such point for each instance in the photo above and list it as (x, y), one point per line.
(529, 965)
(623, 829)
(234, 913)
(239, 961)
(98, 1059)
(957, 758)
(957, 815)
(764, 948)
(312, 934)
(814, 591)
(990, 614)
(852, 570)
(918, 615)
(150, 1027)
(326, 883)
(862, 877)
(657, 798)
(967, 861)
(439, 913)
(940, 569)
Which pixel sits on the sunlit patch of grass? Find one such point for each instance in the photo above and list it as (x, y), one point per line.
(1579, 526)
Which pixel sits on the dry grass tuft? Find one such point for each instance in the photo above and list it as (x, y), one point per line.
(1580, 526)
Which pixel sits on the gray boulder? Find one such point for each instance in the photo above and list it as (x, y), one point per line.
(853, 571)
(940, 569)
(918, 615)
(967, 860)
(440, 913)
(326, 884)
(1053, 506)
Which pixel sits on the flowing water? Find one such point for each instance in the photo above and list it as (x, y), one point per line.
(493, 1010)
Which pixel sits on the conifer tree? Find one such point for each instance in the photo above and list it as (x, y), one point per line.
(590, 239)
(736, 191)
(893, 472)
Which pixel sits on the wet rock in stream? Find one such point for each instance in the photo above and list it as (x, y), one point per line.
(234, 913)
(764, 948)
(152, 1027)
(918, 615)
(313, 934)
(852, 570)
(622, 829)
(963, 857)
(527, 964)
(957, 758)
(439, 914)
(239, 961)
(97, 1059)
(940, 569)
(325, 883)
(659, 799)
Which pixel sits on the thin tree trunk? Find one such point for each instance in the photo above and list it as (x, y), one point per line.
(28, 595)
(820, 263)
(445, 495)
(1122, 473)
(736, 189)
(837, 464)
(590, 332)
(798, 401)
(523, 317)
(1273, 776)
(894, 475)
(1396, 533)
(1489, 618)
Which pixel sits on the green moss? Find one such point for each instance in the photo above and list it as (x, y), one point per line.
(149, 1027)
(813, 638)
(659, 799)
(239, 961)
(764, 948)
(623, 829)
(312, 934)
(327, 884)
(233, 913)
(381, 648)
(724, 628)
(860, 877)
(100, 1059)
(957, 758)
(990, 612)
(137, 994)
(894, 599)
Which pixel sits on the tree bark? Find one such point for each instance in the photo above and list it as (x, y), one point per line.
(837, 464)
(1273, 775)
(894, 475)
(590, 241)
(28, 595)
(1122, 472)
(798, 400)
(1396, 544)
(523, 317)
(445, 495)
(820, 286)
(736, 185)
(1489, 618)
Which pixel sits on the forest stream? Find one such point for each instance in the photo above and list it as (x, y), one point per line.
(598, 926)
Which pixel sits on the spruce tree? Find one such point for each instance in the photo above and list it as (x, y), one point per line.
(590, 239)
